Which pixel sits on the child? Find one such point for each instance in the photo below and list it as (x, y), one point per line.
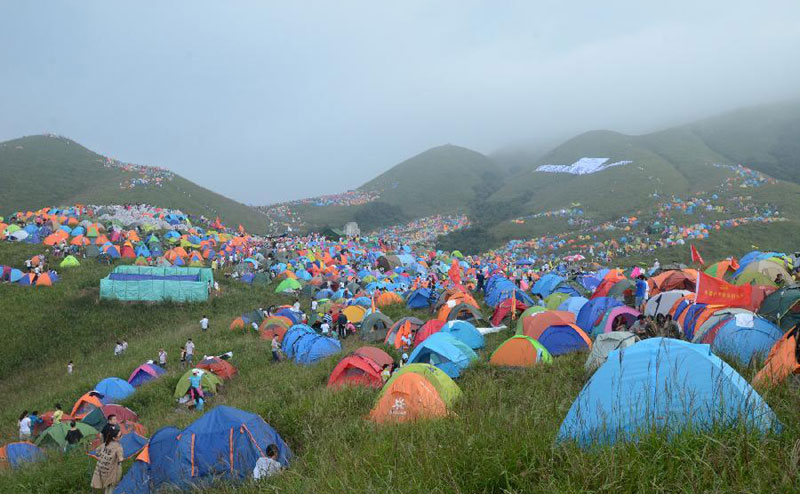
(70, 368)
(162, 358)
(118, 349)
(204, 323)
(269, 465)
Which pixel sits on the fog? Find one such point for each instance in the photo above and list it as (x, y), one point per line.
(267, 101)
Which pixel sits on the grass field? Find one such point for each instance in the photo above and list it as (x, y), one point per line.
(500, 440)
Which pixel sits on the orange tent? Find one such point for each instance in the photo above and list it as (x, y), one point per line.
(781, 361)
(520, 351)
(222, 368)
(409, 397)
(237, 323)
(85, 405)
(535, 324)
(388, 298)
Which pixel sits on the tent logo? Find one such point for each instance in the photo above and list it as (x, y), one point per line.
(399, 407)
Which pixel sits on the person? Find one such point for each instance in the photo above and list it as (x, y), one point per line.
(325, 327)
(57, 414)
(124, 346)
(341, 323)
(386, 373)
(111, 423)
(328, 318)
(671, 328)
(74, 437)
(314, 305)
(267, 466)
(35, 420)
(296, 306)
(638, 327)
(779, 280)
(481, 277)
(118, 349)
(108, 471)
(276, 348)
(70, 368)
(204, 323)
(406, 340)
(183, 357)
(642, 290)
(404, 360)
(162, 358)
(189, 351)
(24, 424)
(196, 389)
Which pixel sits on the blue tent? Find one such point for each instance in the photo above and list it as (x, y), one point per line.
(289, 314)
(663, 384)
(573, 304)
(145, 373)
(223, 444)
(324, 293)
(311, 348)
(590, 314)
(418, 299)
(292, 336)
(114, 389)
(545, 285)
(561, 339)
(745, 337)
(466, 332)
(17, 454)
(445, 352)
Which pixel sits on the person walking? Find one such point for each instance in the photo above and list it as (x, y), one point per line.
(189, 351)
(276, 349)
(204, 323)
(108, 471)
(73, 438)
(24, 424)
(183, 357)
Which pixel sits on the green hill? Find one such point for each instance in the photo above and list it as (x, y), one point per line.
(40, 171)
(441, 180)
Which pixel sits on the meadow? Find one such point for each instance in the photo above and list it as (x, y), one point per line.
(501, 438)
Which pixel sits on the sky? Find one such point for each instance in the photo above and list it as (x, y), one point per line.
(268, 101)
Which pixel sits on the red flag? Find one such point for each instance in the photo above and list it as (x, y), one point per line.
(712, 291)
(696, 257)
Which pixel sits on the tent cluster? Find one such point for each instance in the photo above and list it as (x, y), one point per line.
(16, 276)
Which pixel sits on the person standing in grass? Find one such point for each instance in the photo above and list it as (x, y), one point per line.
(108, 471)
(58, 414)
(24, 424)
(74, 437)
(189, 351)
(267, 466)
(118, 349)
(203, 323)
(35, 420)
(162, 358)
(111, 423)
(70, 368)
(276, 349)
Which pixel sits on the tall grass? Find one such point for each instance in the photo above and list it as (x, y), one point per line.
(500, 440)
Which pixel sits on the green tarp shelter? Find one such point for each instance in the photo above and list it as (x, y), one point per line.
(157, 284)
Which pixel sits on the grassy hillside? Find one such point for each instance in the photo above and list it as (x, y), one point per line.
(41, 171)
(501, 438)
(441, 180)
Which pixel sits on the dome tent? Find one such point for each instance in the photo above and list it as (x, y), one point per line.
(606, 343)
(662, 384)
(445, 352)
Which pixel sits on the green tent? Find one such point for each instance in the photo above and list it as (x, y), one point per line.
(56, 435)
(555, 299)
(96, 419)
(753, 278)
(69, 262)
(782, 307)
(544, 357)
(12, 228)
(208, 381)
(287, 285)
(528, 312)
(457, 253)
(447, 388)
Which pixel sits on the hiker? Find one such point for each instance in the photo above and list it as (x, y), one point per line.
(111, 423)
(162, 358)
(24, 424)
(108, 471)
(118, 349)
(204, 323)
(183, 357)
(189, 351)
(267, 466)
(73, 438)
(57, 414)
(276, 348)
(70, 368)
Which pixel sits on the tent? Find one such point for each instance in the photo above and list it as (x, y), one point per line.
(56, 434)
(783, 360)
(564, 338)
(69, 262)
(536, 323)
(404, 326)
(605, 344)
(466, 332)
(520, 351)
(132, 443)
(356, 369)
(209, 382)
(415, 392)
(288, 285)
(18, 454)
(625, 313)
(222, 444)
(427, 329)
(221, 368)
(744, 337)
(157, 284)
(85, 404)
(593, 311)
(355, 314)
(310, 348)
(663, 384)
(418, 299)
(555, 299)
(145, 373)
(114, 389)
(573, 304)
(663, 302)
(445, 352)
(782, 307)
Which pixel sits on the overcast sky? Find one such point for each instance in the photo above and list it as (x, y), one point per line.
(265, 101)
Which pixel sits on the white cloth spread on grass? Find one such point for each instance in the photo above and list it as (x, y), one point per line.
(583, 166)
